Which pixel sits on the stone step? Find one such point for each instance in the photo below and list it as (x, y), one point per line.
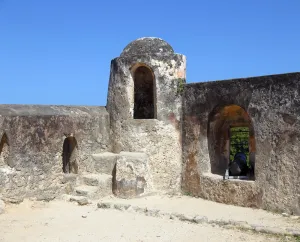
(69, 178)
(81, 200)
(95, 186)
(96, 179)
(104, 162)
(87, 191)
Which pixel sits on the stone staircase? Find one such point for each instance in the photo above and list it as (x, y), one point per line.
(93, 185)
(132, 179)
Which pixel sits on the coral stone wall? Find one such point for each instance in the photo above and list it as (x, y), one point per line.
(159, 138)
(36, 136)
(273, 105)
(178, 139)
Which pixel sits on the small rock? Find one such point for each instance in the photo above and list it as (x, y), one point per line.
(84, 216)
(103, 205)
(164, 214)
(83, 202)
(269, 230)
(130, 209)
(178, 216)
(187, 218)
(80, 200)
(121, 207)
(45, 197)
(285, 215)
(221, 222)
(13, 200)
(152, 212)
(200, 219)
(139, 209)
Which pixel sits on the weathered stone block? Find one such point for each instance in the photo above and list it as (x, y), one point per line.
(132, 175)
(95, 186)
(104, 162)
(88, 191)
(79, 199)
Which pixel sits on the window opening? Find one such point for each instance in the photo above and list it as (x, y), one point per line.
(144, 94)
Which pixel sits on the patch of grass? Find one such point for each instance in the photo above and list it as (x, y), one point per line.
(180, 86)
(188, 194)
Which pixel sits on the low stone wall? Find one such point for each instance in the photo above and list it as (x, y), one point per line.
(237, 192)
(36, 136)
(273, 106)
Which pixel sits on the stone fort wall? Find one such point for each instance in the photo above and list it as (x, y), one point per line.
(35, 135)
(175, 136)
(273, 105)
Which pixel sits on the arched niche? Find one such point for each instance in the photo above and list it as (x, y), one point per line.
(144, 92)
(230, 133)
(70, 155)
(4, 150)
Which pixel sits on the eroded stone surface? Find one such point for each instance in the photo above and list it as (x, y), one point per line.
(35, 137)
(147, 45)
(272, 103)
(104, 162)
(132, 175)
(159, 138)
(81, 200)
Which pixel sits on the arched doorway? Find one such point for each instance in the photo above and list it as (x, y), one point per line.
(4, 150)
(70, 153)
(231, 141)
(144, 93)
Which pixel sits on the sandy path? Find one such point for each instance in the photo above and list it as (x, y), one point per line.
(63, 221)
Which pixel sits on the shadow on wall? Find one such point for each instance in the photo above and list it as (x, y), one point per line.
(4, 151)
(70, 155)
(224, 144)
(114, 181)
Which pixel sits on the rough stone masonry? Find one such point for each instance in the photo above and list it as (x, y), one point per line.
(158, 134)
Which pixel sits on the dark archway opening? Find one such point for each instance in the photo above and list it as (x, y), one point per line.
(144, 93)
(114, 180)
(70, 153)
(4, 150)
(231, 142)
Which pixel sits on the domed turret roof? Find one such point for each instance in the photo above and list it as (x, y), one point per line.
(147, 46)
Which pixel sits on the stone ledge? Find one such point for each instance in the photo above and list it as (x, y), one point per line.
(220, 178)
(198, 219)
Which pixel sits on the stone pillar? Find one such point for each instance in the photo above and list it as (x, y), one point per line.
(160, 137)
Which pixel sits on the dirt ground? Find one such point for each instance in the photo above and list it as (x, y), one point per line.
(64, 221)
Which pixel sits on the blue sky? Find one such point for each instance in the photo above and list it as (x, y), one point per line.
(59, 51)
